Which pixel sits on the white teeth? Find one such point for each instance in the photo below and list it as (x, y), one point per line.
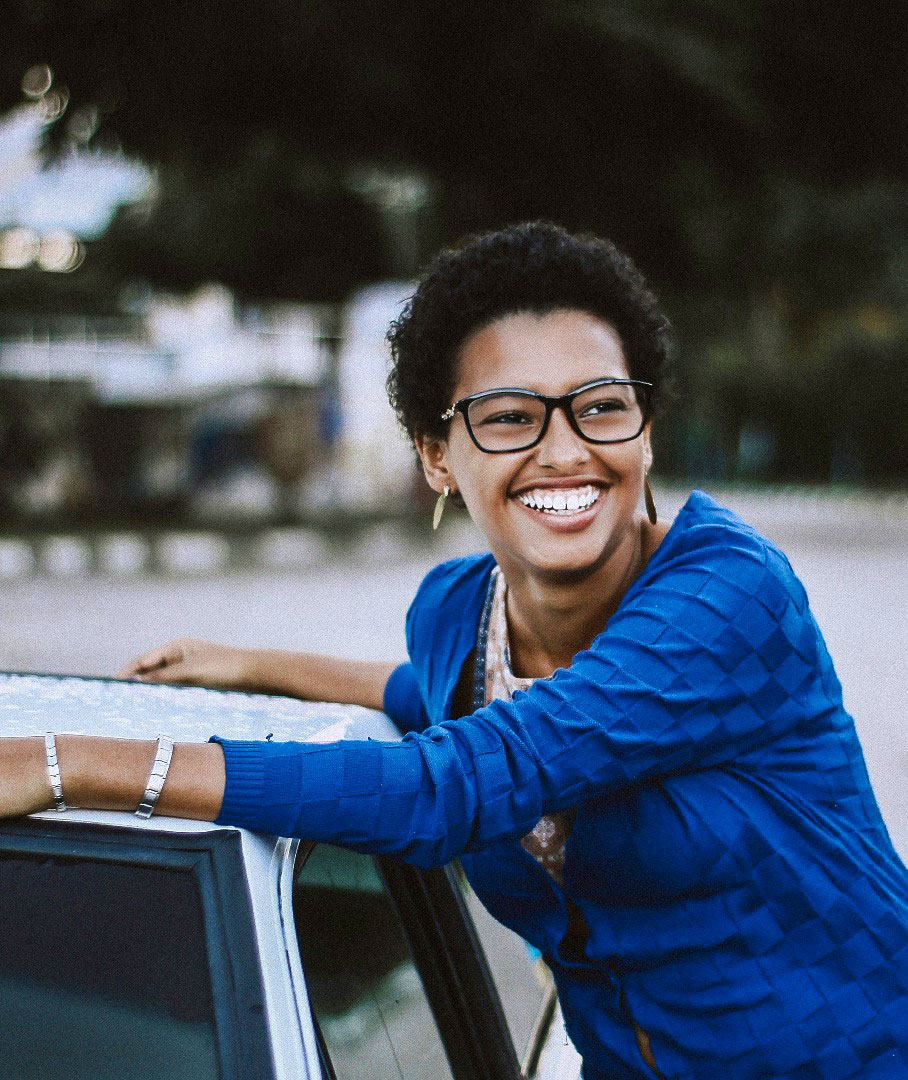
(562, 501)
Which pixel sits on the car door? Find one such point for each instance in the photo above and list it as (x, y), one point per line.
(399, 982)
(127, 955)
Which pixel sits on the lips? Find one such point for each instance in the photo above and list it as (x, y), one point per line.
(560, 501)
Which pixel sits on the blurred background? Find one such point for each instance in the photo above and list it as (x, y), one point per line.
(210, 212)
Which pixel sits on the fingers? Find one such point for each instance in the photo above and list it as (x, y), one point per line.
(142, 664)
(155, 660)
(170, 673)
(187, 661)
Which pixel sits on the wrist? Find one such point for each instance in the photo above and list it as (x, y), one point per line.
(252, 670)
(39, 793)
(104, 774)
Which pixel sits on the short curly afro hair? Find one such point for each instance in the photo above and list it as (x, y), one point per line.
(533, 267)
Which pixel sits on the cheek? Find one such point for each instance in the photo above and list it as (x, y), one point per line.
(481, 490)
(475, 474)
(627, 460)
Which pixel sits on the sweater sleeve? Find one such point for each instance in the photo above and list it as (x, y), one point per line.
(706, 661)
(403, 702)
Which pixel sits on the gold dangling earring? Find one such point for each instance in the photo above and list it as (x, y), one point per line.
(648, 501)
(440, 507)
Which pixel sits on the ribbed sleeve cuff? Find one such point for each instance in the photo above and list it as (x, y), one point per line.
(244, 790)
(366, 795)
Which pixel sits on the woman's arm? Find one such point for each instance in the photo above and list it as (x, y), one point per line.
(305, 675)
(713, 660)
(322, 678)
(110, 774)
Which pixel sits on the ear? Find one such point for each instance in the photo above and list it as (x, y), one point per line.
(433, 453)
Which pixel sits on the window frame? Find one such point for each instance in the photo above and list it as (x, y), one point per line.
(451, 964)
(216, 862)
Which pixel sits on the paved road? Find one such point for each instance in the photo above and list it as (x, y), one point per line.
(855, 568)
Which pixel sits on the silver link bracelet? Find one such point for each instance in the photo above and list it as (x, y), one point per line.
(156, 777)
(53, 770)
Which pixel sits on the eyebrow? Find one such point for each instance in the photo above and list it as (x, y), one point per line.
(542, 393)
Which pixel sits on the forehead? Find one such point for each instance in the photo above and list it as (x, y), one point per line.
(550, 353)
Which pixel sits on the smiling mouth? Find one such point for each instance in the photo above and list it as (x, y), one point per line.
(562, 502)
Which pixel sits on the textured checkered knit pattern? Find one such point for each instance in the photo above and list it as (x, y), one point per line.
(743, 898)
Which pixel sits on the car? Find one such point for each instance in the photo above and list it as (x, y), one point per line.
(165, 947)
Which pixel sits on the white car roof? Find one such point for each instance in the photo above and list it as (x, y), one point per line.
(75, 705)
(66, 704)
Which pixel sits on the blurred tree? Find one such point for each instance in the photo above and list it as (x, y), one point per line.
(259, 119)
(751, 154)
(662, 124)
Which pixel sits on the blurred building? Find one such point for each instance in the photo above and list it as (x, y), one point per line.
(197, 408)
(375, 465)
(190, 405)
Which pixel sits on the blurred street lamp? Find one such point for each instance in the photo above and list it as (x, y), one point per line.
(403, 198)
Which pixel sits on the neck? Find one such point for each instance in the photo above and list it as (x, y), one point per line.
(550, 620)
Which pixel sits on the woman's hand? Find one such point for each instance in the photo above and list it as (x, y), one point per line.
(271, 671)
(190, 662)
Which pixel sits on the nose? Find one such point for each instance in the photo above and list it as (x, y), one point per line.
(561, 447)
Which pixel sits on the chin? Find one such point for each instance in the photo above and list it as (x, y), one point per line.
(565, 567)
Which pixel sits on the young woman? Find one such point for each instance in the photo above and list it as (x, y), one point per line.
(631, 735)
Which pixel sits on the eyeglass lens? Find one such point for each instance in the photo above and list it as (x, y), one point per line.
(509, 421)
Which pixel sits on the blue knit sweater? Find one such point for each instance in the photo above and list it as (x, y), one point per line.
(744, 903)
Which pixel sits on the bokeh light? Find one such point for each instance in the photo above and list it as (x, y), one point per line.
(57, 251)
(82, 124)
(60, 252)
(52, 105)
(37, 81)
(19, 248)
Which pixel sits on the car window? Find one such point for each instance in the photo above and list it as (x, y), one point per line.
(365, 991)
(522, 980)
(103, 972)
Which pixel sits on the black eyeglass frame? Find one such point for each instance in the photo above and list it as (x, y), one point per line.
(563, 402)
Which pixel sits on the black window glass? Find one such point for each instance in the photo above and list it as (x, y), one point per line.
(103, 973)
(365, 991)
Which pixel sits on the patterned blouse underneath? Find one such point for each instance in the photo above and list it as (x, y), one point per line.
(546, 842)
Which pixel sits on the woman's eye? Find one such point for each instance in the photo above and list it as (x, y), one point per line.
(512, 416)
(606, 405)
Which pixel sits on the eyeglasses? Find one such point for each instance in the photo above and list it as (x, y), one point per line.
(605, 411)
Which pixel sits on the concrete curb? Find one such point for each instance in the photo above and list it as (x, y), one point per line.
(848, 520)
